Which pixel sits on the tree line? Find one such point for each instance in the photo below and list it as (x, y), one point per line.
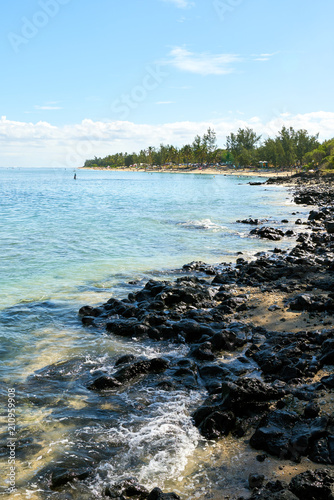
(244, 148)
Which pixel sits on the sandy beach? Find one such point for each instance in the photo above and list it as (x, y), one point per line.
(266, 173)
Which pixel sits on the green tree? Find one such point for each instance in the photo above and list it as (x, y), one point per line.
(323, 155)
(172, 154)
(186, 154)
(128, 160)
(197, 150)
(304, 143)
(209, 144)
(243, 145)
(287, 138)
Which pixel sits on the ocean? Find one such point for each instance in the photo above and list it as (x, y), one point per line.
(66, 243)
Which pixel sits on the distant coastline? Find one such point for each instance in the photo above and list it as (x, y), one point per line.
(249, 172)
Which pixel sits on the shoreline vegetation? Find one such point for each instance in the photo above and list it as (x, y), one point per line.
(272, 318)
(289, 151)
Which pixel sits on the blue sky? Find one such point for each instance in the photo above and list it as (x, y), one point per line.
(84, 78)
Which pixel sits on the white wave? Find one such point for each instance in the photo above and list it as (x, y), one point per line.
(206, 224)
(156, 445)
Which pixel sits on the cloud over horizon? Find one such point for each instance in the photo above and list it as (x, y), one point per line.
(42, 144)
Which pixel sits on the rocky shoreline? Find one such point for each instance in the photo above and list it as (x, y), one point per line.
(274, 317)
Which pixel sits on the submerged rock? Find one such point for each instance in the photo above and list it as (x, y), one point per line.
(103, 383)
(129, 488)
(62, 476)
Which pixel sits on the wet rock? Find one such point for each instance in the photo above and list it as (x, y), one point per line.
(154, 319)
(312, 410)
(88, 320)
(330, 227)
(192, 330)
(187, 293)
(215, 424)
(87, 311)
(322, 450)
(273, 434)
(328, 381)
(127, 327)
(121, 307)
(150, 290)
(280, 493)
(248, 392)
(250, 221)
(200, 267)
(245, 397)
(214, 371)
(157, 494)
(127, 358)
(129, 488)
(166, 385)
(317, 215)
(287, 356)
(203, 352)
(255, 481)
(327, 352)
(104, 383)
(276, 486)
(186, 373)
(313, 485)
(306, 302)
(226, 340)
(212, 376)
(269, 233)
(288, 436)
(128, 373)
(62, 476)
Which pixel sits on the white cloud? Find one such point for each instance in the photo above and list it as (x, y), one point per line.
(202, 63)
(42, 144)
(180, 4)
(263, 57)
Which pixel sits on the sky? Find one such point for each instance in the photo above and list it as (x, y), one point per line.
(83, 78)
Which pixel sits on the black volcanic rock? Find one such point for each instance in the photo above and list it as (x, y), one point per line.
(269, 233)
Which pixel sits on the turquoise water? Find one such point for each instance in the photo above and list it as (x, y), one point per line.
(66, 243)
(57, 233)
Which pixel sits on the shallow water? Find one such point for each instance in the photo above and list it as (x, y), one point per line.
(66, 243)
